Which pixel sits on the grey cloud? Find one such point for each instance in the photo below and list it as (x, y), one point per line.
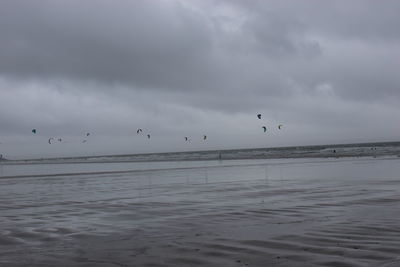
(143, 43)
(146, 43)
(360, 19)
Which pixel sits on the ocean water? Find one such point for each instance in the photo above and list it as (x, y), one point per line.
(281, 212)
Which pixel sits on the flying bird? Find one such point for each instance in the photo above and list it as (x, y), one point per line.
(34, 131)
(51, 138)
(259, 116)
(139, 131)
(148, 136)
(265, 128)
(280, 126)
(204, 137)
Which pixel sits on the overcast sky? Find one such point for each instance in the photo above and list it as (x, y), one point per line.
(327, 70)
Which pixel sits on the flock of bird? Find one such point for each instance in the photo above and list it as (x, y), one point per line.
(139, 131)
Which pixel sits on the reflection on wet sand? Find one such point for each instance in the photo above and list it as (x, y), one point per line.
(315, 213)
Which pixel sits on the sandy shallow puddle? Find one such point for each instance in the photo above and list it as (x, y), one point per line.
(303, 212)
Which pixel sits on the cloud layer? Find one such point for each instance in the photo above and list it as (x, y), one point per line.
(326, 70)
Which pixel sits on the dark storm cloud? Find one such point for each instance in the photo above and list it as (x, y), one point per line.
(147, 43)
(355, 43)
(358, 19)
(151, 44)
(243, 46)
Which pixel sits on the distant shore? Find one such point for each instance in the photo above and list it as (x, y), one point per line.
(377, 149)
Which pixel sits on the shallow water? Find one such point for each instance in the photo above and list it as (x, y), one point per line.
(83, 167)
(294, 212)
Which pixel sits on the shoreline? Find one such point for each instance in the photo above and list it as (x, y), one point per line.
(277, 148)
(133, 171)
(314, 151)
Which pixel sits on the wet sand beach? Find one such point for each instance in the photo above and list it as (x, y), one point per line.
(289, 212)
